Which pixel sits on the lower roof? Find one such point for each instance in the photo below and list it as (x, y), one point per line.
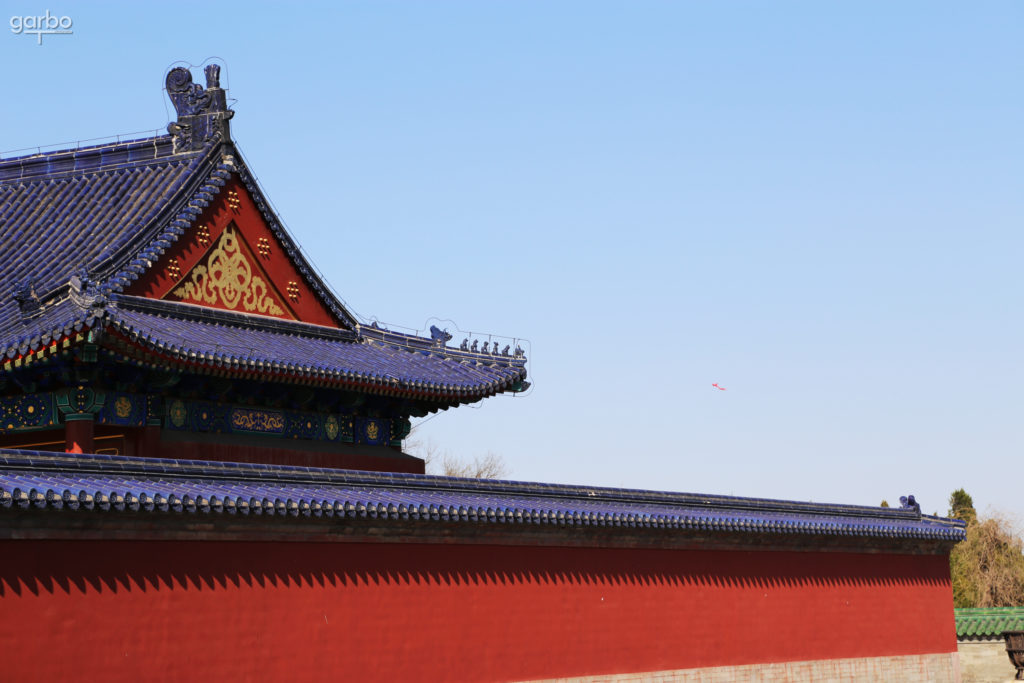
(987, 623)
(194, 337)
(32, 480)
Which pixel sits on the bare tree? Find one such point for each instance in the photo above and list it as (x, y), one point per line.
(442, 462)
(987, 568)
(487, 466)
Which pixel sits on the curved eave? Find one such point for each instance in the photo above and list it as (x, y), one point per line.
(47, 340)
(141, 348)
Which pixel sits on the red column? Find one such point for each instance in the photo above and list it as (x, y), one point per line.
(148, 443)
(78, 433)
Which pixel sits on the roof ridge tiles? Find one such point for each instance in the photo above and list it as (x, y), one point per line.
(111, 482)
(13, 458)
(61, 163)
(215, 316)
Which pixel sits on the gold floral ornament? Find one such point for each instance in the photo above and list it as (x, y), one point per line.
(257, 420)
(372, 430)
(123, 407)
(227, 279)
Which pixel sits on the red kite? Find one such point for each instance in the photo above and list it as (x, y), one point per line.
(715, 385)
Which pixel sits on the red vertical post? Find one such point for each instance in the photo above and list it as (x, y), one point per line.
(78, 433)
(148, 443)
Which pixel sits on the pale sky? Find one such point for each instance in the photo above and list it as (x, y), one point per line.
(816, 205)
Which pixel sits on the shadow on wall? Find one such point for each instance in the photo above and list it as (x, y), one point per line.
(384, 611)
(80, 565)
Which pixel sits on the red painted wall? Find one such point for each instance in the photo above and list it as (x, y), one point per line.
(308, 611)
(390, 460)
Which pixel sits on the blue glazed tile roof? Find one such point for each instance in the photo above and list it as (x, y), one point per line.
(31, 480)
(196, 336)
(62, 212)
(229, 340)
(81, 225)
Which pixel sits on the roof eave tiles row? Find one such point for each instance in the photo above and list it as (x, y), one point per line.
(30, 480)
(288, 371)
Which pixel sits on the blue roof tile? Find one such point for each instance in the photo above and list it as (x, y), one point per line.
(81, 225)
(63, 212)
(30, 480)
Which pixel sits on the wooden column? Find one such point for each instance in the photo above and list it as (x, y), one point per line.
(78, 432)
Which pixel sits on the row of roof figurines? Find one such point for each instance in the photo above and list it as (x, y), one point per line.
(441, 337)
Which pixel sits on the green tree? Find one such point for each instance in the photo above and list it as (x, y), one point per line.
(961, 506)
(987, 568)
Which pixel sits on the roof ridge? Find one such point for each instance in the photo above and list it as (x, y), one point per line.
(204, 178)
(291, 246)
(216, 316)
(64, 163)
(58, 148)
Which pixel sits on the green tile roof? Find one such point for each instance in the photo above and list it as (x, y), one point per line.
(983, 623)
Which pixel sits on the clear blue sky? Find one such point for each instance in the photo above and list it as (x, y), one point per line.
(817, 205)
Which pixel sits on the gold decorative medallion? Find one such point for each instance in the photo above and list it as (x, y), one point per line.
(123, 407)
(227, 279)
(331, 427)
(178, 413)
(372, 430)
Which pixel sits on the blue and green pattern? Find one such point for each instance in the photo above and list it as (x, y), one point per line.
(29, 412)
(220, 418)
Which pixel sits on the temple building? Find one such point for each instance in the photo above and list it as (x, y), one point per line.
(201, 473)
(153, 305)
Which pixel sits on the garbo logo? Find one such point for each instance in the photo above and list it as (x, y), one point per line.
(44, 25)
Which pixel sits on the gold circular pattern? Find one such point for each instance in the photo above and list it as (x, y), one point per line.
(331, 427)
(178, 413)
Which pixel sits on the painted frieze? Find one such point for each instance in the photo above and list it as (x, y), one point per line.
(28, 412)
(209, 417)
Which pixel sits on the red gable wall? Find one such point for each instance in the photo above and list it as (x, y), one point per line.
(237, 250)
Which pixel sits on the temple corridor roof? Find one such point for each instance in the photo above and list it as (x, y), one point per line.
(987, 623)
(116, 484)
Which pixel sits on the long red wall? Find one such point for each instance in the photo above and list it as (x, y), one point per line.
(327, 611)
(389, 461)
